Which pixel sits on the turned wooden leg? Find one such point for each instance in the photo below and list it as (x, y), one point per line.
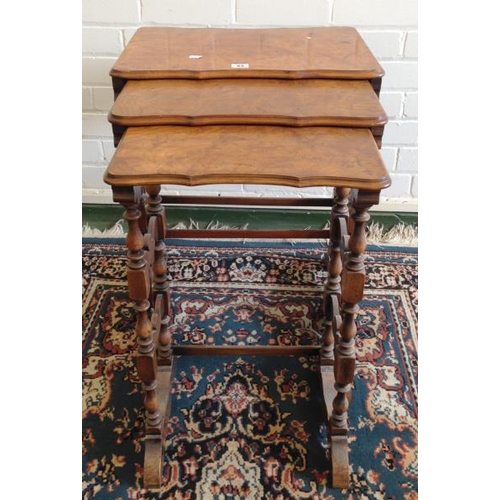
(331, 307)
(143, 219)
(160, 281)
(161, 290)
(139, 284)
(338, 233)
(338, 225)
(154, 207)
(352, 284)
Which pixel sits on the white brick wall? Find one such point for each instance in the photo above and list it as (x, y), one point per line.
(392, 103)
(400, 75)
(411, 105)
(375, 12)
(87, 99)
(187, 12)
(283, 12)
(411, 45)
(103, 98)
(384, 44)
(389, 28)
(92, 151)
(111, 12)
(98, 40)
(95, 70)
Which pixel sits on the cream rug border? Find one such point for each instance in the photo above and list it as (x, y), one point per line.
(399, 235)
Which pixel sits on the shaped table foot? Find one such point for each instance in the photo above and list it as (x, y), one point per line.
(340, 461)
(153, 462)
(155, 443)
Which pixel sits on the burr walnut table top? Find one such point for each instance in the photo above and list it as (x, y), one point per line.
(248, 101)
(291, 53)
(234, 154)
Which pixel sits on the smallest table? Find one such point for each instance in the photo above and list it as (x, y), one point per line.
(344, 158)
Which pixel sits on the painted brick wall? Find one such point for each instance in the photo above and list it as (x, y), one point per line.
(389, 27)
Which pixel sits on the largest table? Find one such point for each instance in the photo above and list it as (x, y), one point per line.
(320, 136)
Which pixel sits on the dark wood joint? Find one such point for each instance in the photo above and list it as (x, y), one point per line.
(118, 84)
(376, 84)
(118, 131)
(127, 195)
(378, 133)
(364, 199)
(344, 369)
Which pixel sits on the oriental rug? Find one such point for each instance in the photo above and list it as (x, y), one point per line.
(250, 426)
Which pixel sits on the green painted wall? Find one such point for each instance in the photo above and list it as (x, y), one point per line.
(104, 216)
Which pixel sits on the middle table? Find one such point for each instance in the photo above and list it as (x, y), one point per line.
(298, 103)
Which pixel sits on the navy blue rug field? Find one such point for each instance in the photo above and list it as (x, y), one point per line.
(250, 426)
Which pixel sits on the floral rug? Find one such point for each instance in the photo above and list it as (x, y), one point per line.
(250, 426)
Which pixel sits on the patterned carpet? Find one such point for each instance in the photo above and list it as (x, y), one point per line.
(247, 426)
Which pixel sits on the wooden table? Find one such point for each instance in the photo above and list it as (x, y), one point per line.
(290, 107)
(258, 101)
(285, 53)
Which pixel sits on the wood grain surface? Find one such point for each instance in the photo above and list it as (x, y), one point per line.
(292, 53)
(234, 154)
(247, 102)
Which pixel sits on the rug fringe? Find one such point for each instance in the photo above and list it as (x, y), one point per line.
(400, 235)
(117, 231)
(211, 225)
